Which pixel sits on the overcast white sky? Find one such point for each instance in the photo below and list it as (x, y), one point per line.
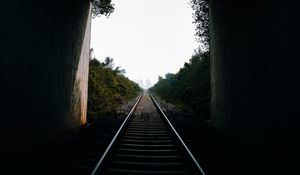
(147, 38)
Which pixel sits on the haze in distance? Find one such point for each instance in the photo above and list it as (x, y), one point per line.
(147, 38)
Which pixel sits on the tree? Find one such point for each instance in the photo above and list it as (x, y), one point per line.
(118, 70)
(102, 7)
(201, 19)
(189, 87)
(108, 62)
(92, 56)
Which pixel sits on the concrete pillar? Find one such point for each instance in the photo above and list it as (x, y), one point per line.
(43, 71)
(255, 69)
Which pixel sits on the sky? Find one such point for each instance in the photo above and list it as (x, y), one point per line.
(147, 38)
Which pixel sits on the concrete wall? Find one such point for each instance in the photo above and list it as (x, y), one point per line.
(80, 94)
(43, 71)
(255, 69)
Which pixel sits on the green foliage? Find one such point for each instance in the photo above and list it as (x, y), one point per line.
(107, 89)
(190, 87)
(201, 19)
(102, 7)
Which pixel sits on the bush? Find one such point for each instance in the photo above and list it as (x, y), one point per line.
(107, 89)
(190, 87)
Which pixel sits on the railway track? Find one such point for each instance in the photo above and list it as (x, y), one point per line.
(147, 143)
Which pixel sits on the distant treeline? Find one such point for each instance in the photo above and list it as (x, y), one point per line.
(107, 89)
(190, 87)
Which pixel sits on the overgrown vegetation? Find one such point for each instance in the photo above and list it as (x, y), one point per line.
(102, 7)
(190, 87)
(107, 89)
(201, 19)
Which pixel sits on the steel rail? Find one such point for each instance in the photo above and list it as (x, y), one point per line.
(97, 167)
(178, 137)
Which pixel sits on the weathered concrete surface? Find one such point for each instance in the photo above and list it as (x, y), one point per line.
(79, 98)
(255, 69)
(43, 71)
